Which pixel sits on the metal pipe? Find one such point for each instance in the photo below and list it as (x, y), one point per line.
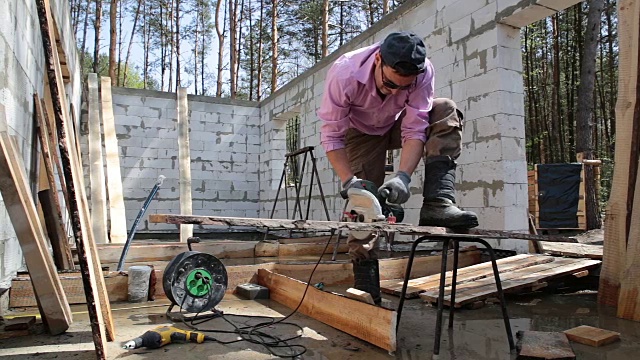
(134, 227)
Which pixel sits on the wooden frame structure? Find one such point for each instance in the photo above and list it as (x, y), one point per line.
(534, 208)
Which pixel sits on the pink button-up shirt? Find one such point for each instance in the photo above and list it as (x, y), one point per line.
(351, 100)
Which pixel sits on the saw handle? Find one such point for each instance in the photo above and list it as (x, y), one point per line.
(384, 193)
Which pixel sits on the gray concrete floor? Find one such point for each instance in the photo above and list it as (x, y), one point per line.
(476, 334)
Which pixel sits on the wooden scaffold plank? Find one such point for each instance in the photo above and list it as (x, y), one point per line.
(96, 164)
(184, 153)
(117, 215)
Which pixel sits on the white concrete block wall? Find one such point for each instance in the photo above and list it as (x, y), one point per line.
(474, 46)
(21, 75)
(225, 155)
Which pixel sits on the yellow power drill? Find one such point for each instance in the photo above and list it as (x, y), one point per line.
(164, 335)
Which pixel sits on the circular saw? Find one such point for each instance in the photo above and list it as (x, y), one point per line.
(367, 205)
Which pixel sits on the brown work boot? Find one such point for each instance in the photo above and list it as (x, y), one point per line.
(438, 206)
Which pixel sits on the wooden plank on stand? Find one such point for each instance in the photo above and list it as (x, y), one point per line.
(96, 165)
(49, 199)
(99, 312)
(117, 215)
(373, 324)
(22, 212)
(184, 151)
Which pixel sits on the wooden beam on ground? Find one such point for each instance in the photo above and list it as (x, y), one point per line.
(519, 236)
(272, 248)
(523, 278)
(592, 336)
(466, 273)
(117, 215)
(99, 309)
(184, 153)
(616, 229)
(19, 323)
(539, 345)
(373, 324)
(49, 196)
(223, 249)
(22, 212)
(96, 165)
(330, 273)
(574, 250)
(116, 283)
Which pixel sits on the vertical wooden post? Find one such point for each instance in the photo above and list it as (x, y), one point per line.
(117, 215)
(618, 209)
(184, 152)
(628, 114)
(96, 165)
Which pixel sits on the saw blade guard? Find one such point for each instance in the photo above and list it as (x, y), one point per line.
(364, 205)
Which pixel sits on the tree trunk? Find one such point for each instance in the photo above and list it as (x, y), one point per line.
(584, 136)
(260, 46)
(133, 31)
(220, 33)
(325, 28)
(83, 48)
(177, 46)
(113, 13)
(196, 44)
(240, 21)
(96, 32)
(274, 46)
(251, 54)
(233, 44)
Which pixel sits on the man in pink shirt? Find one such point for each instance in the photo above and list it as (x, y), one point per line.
(380, 98)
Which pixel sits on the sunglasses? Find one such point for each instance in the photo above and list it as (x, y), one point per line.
(391, 85)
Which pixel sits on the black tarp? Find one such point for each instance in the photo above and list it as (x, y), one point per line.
(558, 195)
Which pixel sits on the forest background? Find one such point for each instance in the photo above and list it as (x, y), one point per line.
(246, 49)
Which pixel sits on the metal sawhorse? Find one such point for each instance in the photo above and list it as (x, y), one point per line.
(446, 239)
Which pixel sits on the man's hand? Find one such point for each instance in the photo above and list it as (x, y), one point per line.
(353, 183)
(397, 188)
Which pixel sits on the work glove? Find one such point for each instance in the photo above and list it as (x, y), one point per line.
(353, 183)
(396, 189)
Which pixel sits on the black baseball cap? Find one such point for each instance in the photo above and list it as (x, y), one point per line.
(404, 52)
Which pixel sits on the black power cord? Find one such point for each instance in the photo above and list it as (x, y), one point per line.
(254, 333)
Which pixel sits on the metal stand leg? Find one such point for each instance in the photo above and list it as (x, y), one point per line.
(407, 275)
(456, 252)
(443, 273)
(503, 304)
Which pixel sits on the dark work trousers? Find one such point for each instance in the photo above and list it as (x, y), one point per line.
(368, 153)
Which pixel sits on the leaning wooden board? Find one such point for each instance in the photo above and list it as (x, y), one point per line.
(373, 324)
(29, 231)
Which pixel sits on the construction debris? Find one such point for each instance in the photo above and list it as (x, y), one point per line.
(592, 336)
(539, 345)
